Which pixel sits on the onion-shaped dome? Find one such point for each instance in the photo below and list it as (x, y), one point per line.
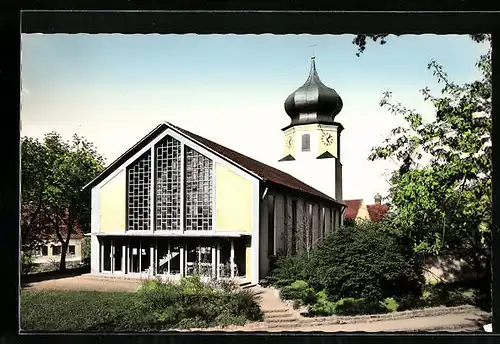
(313, 102)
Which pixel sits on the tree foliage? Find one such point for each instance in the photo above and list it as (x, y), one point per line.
(52, 200)
(361, 40)
(441, 192)
(365, 261)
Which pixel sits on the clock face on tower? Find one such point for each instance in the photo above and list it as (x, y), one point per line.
(327, 139)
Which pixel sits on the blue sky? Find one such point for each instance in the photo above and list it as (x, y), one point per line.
(113, 89)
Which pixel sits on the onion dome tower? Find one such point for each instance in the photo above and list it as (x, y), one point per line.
(313, 102)
(312, 139)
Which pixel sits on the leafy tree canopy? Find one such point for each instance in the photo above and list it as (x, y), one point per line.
(441, 193)
(52, 201)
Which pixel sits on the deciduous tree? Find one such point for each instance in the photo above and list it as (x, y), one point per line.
(441, 193)
(57, 199)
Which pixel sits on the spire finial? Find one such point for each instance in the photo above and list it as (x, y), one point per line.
(313, 54)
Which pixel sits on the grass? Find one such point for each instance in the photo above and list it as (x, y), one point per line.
(81, 311)
(155, 307)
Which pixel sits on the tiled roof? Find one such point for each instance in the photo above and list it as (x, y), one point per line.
(258, 168)
(262, 170)
(377, 211)
(352, 209)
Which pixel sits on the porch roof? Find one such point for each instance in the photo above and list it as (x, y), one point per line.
(173, 234)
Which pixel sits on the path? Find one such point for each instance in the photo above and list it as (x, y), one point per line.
(85, 282)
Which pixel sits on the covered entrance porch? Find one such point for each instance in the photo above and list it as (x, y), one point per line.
(173, 257)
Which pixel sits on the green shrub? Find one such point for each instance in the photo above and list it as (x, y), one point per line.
(447, 294)
(322, 306)
(390, 304)
(203, 304)
(243, 303)
(288, 269)
(410, 301)
(27, 262)
(364, 261)
(351, 306)
(300, 291)
(86, 248)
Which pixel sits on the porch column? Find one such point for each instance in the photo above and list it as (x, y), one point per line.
(140, 257)
(152, 260)
(169, 255)
(181, 258)
(218, 260)
(214, 274)
(124, 258)
(127, 258)
(232, 258)
(101, 257)
(112, 258)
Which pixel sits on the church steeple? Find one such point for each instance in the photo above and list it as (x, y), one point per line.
(313, 102)
(312, 139)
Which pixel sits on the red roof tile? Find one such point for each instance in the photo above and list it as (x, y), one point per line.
(262, 170)
(352, 209)
(377, 211)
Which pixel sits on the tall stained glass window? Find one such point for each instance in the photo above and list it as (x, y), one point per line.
(198, 191)
(138, 195)
(168, 184)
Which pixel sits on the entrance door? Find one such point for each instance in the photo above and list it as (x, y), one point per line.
(135, 252)
(112, 255)
(117, 257)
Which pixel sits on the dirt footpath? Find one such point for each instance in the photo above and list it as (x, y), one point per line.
(449, 322)
(85, 283)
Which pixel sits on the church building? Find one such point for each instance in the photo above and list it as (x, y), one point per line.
(177, 204)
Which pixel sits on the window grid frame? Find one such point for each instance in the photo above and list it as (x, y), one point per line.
(168, 204)
(138, 193)
(198, 191)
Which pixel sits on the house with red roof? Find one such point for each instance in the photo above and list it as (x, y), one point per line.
(358, 210)
(50, 253)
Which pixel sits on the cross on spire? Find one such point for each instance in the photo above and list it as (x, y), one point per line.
(313, 46)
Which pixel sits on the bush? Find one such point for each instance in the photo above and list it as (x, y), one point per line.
(299, 291)
(322, 307)
(193, 303)
(351, 306)
(288, 269)
(447, 294)
(27, 263)
(390, 304)
(366, 262)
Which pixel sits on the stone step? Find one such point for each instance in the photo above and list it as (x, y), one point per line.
(275, 310)
(280, 321)
(279, 315)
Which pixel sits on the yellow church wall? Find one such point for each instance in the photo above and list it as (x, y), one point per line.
(234, 201)
(113, 204)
